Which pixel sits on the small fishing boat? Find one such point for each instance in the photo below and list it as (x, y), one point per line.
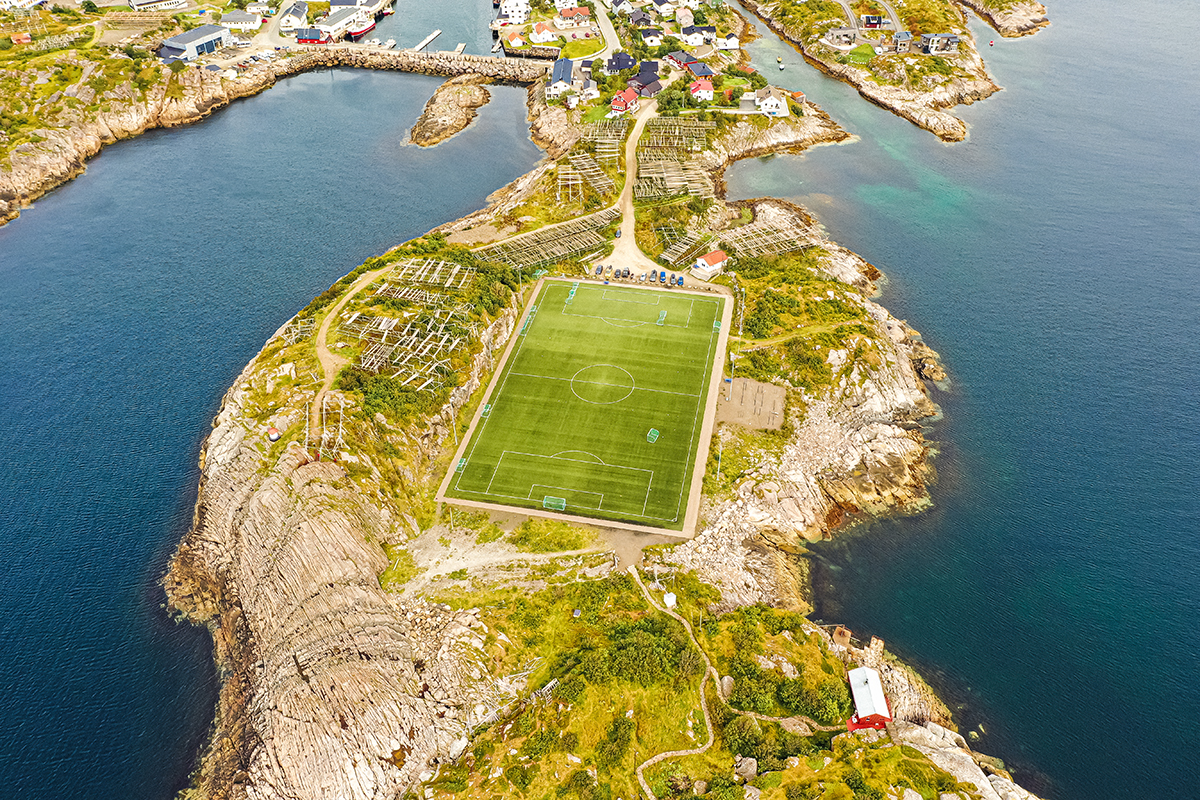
(779, 61)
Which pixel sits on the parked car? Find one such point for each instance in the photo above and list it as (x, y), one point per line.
(625, 272)
(642, 278)
(681, 280)
(662, 277)
(653, 275)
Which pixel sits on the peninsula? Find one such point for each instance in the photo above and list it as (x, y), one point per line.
(377, 640)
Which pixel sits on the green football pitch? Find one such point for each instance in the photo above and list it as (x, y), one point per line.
(599, 407)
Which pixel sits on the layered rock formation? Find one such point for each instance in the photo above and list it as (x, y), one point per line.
(332, 687)
(450, 110)
(1023, 18)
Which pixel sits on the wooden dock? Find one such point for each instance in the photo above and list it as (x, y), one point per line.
(461, 46)
(422, 44)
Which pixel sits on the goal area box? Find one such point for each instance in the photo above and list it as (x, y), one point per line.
(591, 370)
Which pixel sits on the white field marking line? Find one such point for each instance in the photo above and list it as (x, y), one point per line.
(636, 302)
(631, 323)
(610, 466)
(526, 500)
(598, 460)
(565, 489)
(607, 319)
(692, 438)
(636, 388)
(499, 392)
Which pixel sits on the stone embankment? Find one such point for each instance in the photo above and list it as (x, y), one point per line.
(450, 110)
(926, 109)
(789, 135)
(331, 687)
(1024, 18)
(69, 142)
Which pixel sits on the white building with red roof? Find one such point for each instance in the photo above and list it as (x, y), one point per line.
(701, 89)
(709, 265)
(626, 101)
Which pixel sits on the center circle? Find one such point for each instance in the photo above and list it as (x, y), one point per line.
(602, 384)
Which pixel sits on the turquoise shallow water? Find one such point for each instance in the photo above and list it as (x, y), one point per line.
(1054, 261)
(129, 301)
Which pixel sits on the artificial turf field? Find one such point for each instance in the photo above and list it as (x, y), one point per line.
(567, 425)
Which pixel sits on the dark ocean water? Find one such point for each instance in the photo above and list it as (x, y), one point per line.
(1052, 258)
(129, 301)
(1054, 261)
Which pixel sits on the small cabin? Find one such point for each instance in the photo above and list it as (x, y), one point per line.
(871, 709)
(709, 265)
(939, 43)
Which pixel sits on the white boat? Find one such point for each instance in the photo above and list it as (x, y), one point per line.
(389, 44)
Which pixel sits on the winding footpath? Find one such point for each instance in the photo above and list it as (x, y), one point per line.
(709, 670)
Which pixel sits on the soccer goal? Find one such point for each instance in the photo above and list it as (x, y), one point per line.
(662, 317)
(555, 503)
(652, 436)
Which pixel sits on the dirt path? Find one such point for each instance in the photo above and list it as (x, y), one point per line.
(331, 364)
(709, 670)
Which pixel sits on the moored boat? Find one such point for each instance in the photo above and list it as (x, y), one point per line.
(361, 27)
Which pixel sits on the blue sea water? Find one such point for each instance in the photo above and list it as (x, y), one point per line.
(129, 301)
(1054, 261)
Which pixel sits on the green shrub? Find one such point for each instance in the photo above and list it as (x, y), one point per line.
(612, 749)
(547, 536)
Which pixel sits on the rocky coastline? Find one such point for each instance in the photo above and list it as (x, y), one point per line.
(70, 140)
(1024, 18)
(924, 108)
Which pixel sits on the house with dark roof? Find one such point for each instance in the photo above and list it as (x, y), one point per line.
(640, 19)
(699, 69)
(294, 17)
(680, 59)
(771, 100)
(560, 77)
(311, 36)
(653, 37)
(199, 41)
(619, 63)
(903, 41)
(939, 43)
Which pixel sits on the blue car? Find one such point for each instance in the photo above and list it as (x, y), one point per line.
(662, 277)
(680, 280)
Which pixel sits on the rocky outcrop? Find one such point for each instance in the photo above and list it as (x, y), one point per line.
(550, 127)
(71, 140)
(331, 687)
(450, 110)
(1020, 19)
(787, 135)
(923, 107)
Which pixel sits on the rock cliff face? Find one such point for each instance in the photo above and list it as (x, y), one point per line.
(37, 168)
(450, 110)
(333, 687)
(1020, 19)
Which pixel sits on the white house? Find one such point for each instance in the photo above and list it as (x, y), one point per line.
(701, 89)
(664, 8)
(559, 5)
(709, 265)
(652, 37)
(771, 100)
(871, 708)
(260, 8)
(295, 17)
(684, 18)
(241, 21)
(514, 39)
(691, 36)
(622, 6)
(625, 101)
(517, 11)
(589, 91)
(574, 17)
(727, 42)
(560, 77)
(542, 34)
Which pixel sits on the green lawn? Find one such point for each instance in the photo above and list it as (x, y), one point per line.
(588, 379)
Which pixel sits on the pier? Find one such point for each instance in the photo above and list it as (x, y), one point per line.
(421, 45)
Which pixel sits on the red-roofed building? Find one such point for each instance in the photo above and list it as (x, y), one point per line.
(871, 708)
(701, 90)
(542, 34)
(625, 101)
(709, 265)
(574, 17)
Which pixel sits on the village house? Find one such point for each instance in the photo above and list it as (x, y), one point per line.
(561, 5)
(514, 39)
(939, 43)
(842, 37)
(710, 265)
(622, 6)
(588, 91)
(195, 43)
(679, 59)
(295, 17)
(798, 97)
(619, 63)
(574, 17)
(626, 101)
(664, 8)
(311, 36)
(691, 36)
(260, 8)
(871, 709)
(903, 41)
(701, 89)
(684, 17)
(727, 42)
(652, 37)
(514, 12)
(771, 100)
(338, 5)
(560, 77)
(873, 21)
(542, 33)
(241, 21)
(699, 69)
(640, 19)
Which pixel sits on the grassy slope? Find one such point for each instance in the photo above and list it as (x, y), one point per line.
(608, 343)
